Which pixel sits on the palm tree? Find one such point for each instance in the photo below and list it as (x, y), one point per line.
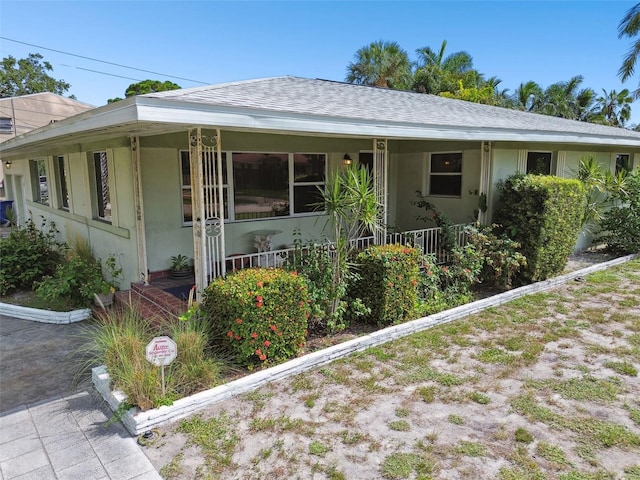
(615, 107)
(381, 64)
(528, 96)
(630, 27)
(436, 73)
(566, 100)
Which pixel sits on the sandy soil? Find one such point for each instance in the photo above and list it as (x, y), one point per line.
(447, 403)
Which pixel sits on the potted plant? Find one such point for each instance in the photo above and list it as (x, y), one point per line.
(181, 266)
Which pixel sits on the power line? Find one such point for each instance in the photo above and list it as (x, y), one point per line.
(103, 61)
(102, 73)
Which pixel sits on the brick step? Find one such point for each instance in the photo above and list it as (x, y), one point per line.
(151, 301)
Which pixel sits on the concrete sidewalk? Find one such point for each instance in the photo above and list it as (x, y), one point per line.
(67, 438)
(49, 429)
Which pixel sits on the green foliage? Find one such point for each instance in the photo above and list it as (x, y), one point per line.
(261, 314)
(314, 264)
(621, 224)
(119, 339)
(28, 75)
(523, 435)
(543, 214)
(445, 286)
(28, 254)
(501, 260)
(352, 208)
(381, 64)
(387, 285)
(146, 86)
(446, 236)
(79, 278)
(75, 280)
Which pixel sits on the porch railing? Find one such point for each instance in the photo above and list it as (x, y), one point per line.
(428, 240)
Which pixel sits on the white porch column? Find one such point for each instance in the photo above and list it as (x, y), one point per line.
(207, 196)
(141, 238)
(380, 181)
(522, 161)
(561, 163)
(485, 183)
(197, 212)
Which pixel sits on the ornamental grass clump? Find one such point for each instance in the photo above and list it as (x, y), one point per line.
(260, 314)
(388, 279)
(118, 340)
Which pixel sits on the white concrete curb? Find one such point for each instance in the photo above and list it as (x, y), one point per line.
(137, 422)
(44, 316)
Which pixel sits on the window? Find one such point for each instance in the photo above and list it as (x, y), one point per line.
(539, 163)
(185, 168)
(6, 124)
(39, 182)
(261, 185)
(63, 191)
(623, 163)
(308, 180)
(445, 174)
(102, 193)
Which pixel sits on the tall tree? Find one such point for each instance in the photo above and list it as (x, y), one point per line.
(28, 75)
(436, 73)
(528, 96)
(147, 86)
(615, 107)
(381, 64)
(630, 27)
(567, 100)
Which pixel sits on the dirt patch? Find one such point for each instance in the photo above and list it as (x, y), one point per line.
(543, 386)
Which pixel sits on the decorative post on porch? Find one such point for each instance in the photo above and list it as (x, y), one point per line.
(485, 182)
(141, 240)
(208, 208)
(380, 174)
(197, 200)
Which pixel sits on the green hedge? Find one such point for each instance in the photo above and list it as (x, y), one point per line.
(261, 313)
(543, 214)
(387, 284)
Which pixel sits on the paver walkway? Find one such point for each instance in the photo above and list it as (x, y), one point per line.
(64, 436)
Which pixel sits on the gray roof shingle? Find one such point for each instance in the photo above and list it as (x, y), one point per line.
(341, 100)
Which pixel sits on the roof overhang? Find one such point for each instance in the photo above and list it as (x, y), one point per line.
(145, 116)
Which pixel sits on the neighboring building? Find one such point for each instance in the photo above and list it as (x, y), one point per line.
(217, 171)
(19, 115)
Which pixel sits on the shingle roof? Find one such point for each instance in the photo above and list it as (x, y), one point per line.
(341, 100)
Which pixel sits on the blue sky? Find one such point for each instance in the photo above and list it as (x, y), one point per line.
(212, 41)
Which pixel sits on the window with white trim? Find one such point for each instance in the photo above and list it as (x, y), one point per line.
(187, 201)
(63, 186)
(308, 181)
(445, 174)
(101, 192)
(539, 163)
(39, 180)
(263, 185)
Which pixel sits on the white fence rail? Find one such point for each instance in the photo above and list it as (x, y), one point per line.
(428, 240)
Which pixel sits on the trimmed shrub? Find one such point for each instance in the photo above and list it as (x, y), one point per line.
(261, 313)
(387, 284)
(543, 214)
(28, 254)
(501, 260)
(621, 224)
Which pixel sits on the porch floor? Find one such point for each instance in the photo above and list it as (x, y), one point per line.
(163, 298)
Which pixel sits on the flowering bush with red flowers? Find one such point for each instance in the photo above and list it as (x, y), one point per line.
(388, 282)
(261, 314)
